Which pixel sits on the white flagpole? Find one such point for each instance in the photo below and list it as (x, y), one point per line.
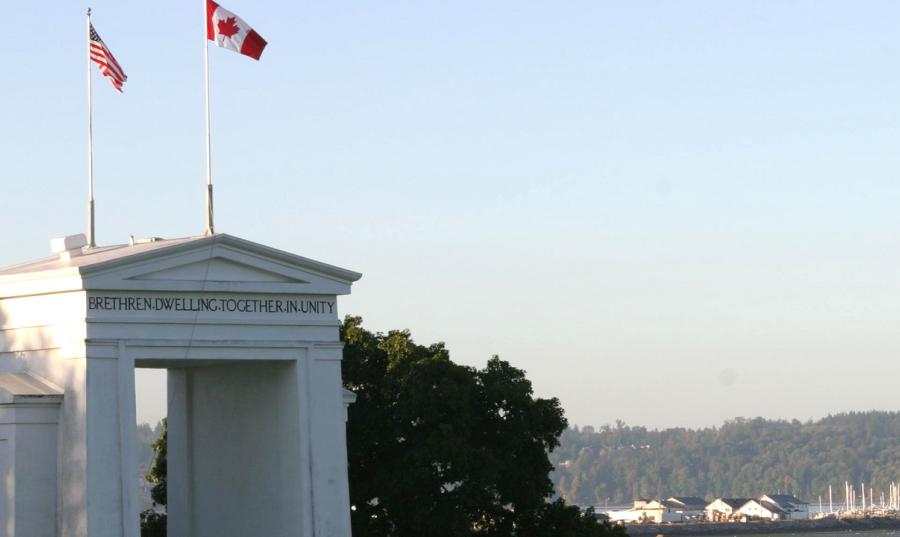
(90, 235)
(210, 228)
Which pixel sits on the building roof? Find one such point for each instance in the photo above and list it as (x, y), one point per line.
(771, 507)
(25, 387)
(102, 257)
(93, 256)
(784, 500)
(209, 264)
(734, 503)
(688, 500)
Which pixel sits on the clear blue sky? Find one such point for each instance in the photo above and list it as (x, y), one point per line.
(667, 212)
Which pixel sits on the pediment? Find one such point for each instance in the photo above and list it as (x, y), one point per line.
(221, 263)
(217, 270)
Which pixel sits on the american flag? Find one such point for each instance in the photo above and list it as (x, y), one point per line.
(106, 61)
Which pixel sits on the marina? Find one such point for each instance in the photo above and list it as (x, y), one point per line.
(829, 527)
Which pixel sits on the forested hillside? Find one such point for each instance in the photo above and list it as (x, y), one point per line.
(743, 457)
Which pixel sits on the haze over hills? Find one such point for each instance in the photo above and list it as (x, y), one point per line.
(743, 457)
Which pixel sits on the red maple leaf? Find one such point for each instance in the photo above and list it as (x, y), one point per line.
(227, 27)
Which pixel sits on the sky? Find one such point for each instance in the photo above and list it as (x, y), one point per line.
(668, 213)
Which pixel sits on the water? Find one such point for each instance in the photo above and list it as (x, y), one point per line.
(845, 533)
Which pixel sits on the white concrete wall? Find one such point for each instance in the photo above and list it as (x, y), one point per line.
(93, 363)
(36, 468)
(234, 444)
(256, 448)
(45, 334)
(331, 504)
(112, 484)
(28, 470)
(7, 482)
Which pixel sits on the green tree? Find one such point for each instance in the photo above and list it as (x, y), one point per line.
(741, 458)
(440, 449)
(153, 522)
(159, 470)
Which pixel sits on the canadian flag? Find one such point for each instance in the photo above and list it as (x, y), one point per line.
(231, 32)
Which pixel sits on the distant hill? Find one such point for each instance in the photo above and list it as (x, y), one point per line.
(743, 457)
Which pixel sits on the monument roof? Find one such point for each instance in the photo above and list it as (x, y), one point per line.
(103, 256)
(14, 387)
(162, 264)
(94, 256)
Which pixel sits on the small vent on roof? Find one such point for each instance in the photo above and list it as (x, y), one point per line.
(69, 246)
(132, 240)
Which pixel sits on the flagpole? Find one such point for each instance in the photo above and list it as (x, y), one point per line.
(210, 228)
(91, 242)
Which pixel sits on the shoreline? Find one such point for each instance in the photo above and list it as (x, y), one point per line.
(785, 526)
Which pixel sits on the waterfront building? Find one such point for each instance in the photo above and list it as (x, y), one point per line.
(690, 507)
(795, 508)
(659, 511)
(761, 509)
(724, 509)
(624, 516)
(649, 511)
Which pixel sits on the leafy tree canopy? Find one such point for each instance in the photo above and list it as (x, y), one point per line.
(153, 522)
(440, 449)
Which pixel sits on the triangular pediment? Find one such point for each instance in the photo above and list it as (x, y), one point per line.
(217, 270)
(221, 263)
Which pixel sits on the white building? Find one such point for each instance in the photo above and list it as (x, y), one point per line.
(249, 336)
(628, 515)
(689, 507)
(724, 509)
(761, 509)
(795, 508)
(659, 511)
(648, 511)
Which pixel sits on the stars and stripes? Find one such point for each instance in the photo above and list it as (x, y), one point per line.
(106, 61)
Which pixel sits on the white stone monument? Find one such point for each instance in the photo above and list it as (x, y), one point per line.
(249, 336)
